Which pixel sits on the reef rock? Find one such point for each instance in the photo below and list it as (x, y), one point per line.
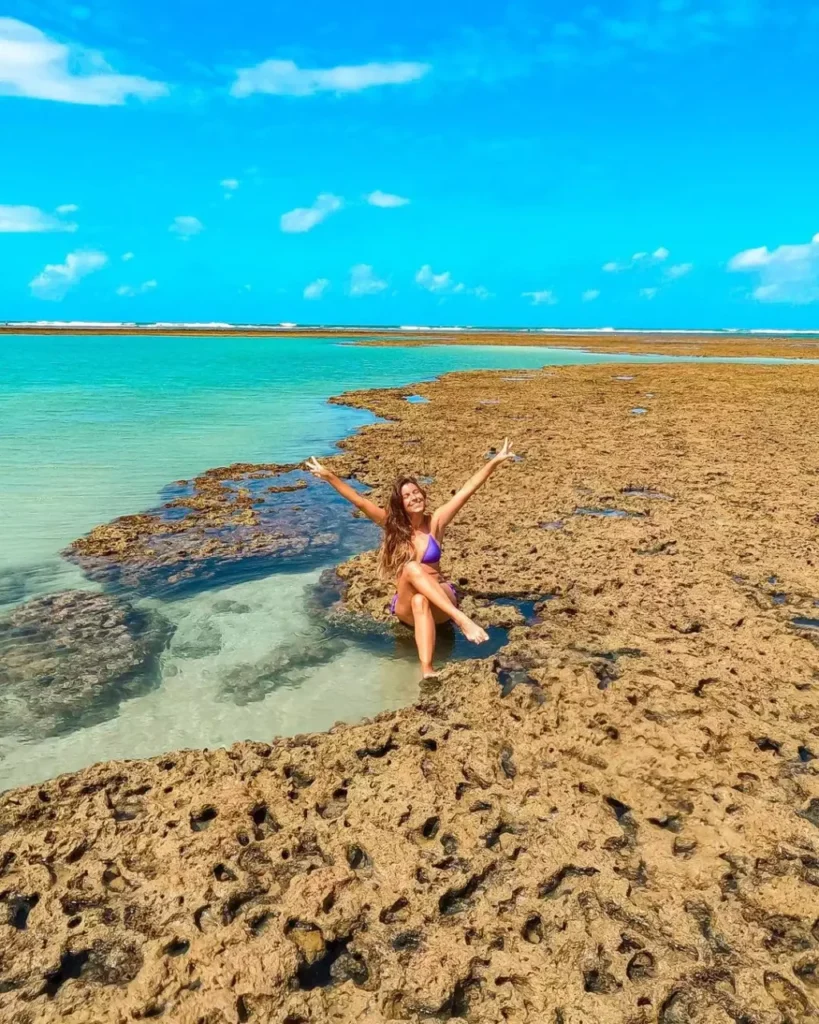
(226, 524)
(70, 658)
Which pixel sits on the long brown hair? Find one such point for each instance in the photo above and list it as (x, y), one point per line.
(397, 548)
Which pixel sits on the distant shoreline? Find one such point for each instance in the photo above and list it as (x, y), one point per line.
(298, 330)
(750, 344)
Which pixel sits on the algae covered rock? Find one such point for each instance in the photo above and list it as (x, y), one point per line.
(69, 659)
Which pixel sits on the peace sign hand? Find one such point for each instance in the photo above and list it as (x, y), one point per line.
(316, 468)
(505, 452)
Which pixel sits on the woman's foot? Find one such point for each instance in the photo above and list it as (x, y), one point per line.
(428, 672)
(473, 632)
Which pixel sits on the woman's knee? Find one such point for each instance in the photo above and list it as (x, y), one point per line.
(419, 604)
(411, 571)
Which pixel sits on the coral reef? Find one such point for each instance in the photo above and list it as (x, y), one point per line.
(69, 659)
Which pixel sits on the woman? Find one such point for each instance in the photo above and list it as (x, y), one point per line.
(411, 552)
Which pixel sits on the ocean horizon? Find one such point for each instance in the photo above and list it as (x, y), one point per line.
(227, 326)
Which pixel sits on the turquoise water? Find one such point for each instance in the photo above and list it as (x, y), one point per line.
(95, 427)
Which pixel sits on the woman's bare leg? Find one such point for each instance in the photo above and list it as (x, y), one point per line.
(414, 580)
(424, 625)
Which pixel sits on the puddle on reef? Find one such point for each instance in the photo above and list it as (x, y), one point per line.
(801, 622)
(416, 399)
(608, 513)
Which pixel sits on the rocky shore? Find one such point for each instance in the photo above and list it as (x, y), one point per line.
(613, 819)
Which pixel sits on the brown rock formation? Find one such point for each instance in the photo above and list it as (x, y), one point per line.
(614, 820)
(233, 515)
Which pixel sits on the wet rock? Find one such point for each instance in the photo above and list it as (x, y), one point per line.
(204, 639)
(227, 524)
(69, 659)
(229, 607)
(285, 667)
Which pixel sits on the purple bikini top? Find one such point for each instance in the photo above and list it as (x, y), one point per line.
(432, 553)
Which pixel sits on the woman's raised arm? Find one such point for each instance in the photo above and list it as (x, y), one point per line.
(369, 508)
(444, 515)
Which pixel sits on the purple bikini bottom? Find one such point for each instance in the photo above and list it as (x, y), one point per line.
(450, 585)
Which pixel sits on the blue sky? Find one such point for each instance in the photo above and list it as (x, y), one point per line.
(644, 163)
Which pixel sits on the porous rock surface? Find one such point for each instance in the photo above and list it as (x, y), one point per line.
(614, 819)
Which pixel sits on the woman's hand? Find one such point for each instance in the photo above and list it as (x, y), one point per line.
(505, 453)
(316, 468)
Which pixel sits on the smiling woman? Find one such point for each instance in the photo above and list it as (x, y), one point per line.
(410, 553)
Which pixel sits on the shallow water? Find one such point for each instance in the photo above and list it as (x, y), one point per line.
(95, 427)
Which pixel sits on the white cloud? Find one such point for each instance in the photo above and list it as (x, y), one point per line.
(140, 289)
(386, 200)
(230, 183)
(541, 298)
(752, 259)
(37, 67)
(68, 208)
(648, 293)
(28, 219)
(364, 282)
(316, 288)
(590, 295)
(639, 259)
(186, 227)
(788, 273)
(304, 218)
(58, 278)
(126, 256)
(679, 270)
(286, 78)
(442, 283)
(445, 284)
